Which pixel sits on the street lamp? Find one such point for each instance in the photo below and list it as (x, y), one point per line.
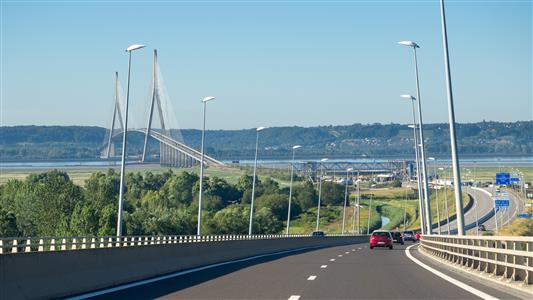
(421, 207)
(414, 46)
(199, 231)
(436, 192)
(290, 187)
(345, 197)
(320, 193)
(451, 118)
(446, 199)
(124, 140)
(253, 182)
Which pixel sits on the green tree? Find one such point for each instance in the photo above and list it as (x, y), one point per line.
(332, 193)
(305, 195)
(107, 222)
(265, 222)
(230, 220)
(277, 203)
(8, 224)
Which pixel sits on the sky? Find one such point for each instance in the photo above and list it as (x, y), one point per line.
(269, 63)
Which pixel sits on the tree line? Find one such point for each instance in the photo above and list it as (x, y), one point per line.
(82, 142)
(50, 204)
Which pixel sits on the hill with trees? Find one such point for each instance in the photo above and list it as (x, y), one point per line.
(19, 143)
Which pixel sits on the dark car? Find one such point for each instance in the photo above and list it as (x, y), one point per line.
(380, 238)
(397, 237)
(409, 235)
(318, 234)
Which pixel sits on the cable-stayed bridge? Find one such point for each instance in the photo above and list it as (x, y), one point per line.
(173, 152)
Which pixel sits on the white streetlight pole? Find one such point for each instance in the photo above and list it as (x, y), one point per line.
(451, 117)
(320, 193)
(253, 180)
(421, 207)
(345, 198)
(124, 141)
(421, 132)
(199, 231)
(290, 188)
(446, 200)
(436, 192)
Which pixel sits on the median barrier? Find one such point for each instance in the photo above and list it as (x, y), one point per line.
(106, 262)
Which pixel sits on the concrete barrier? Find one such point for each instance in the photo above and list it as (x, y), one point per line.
(55, 274)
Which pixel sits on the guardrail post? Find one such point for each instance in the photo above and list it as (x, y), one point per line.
(84, 243)
(28, 246)
(53, 245)
(41, 245)
(74, 244)
(14, 249)
(529, 274)
(93, 243)
(63, 244)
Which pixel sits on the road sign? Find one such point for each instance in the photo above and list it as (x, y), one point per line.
(503, 178)
(501, 202)
(526, 216)
(514, 180)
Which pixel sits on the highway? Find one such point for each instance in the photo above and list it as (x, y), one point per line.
(343, 272)
(484, 208)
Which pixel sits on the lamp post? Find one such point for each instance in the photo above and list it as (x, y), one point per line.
(290, 188)
(320, 193)
(199, 231)
(414, 45)
(446, 200)
(436, 191)
(421, 207)
(124, 141)
(253, 180)
(345, 198)
(451, 116)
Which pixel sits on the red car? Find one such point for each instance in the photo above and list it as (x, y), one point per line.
(417, 236)
(381, 238)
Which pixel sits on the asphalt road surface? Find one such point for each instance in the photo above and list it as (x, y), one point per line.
(344, 272)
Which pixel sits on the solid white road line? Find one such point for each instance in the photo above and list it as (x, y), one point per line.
(294, 297)
(147, 281)
(448, 278)
(312, 277)
(332, 259)
(323, 266)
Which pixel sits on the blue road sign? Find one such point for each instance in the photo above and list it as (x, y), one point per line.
(526, 216)
(501, 202)
(503, 178)
(514, 180)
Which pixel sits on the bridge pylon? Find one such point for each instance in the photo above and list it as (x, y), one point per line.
(156, 100)
(117, 112)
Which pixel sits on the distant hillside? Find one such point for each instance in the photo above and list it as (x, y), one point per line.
(82, 142)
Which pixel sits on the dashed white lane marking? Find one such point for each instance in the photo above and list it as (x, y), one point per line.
(353, 250)
(340, 255)
(360, 248)
(323, 266)
(448, 278)
(332, 259)
(346, 252)
(294, 297)
(312, 277)
(173, 275)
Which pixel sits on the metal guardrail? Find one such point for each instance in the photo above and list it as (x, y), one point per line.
(40, 244)
(505, 257)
